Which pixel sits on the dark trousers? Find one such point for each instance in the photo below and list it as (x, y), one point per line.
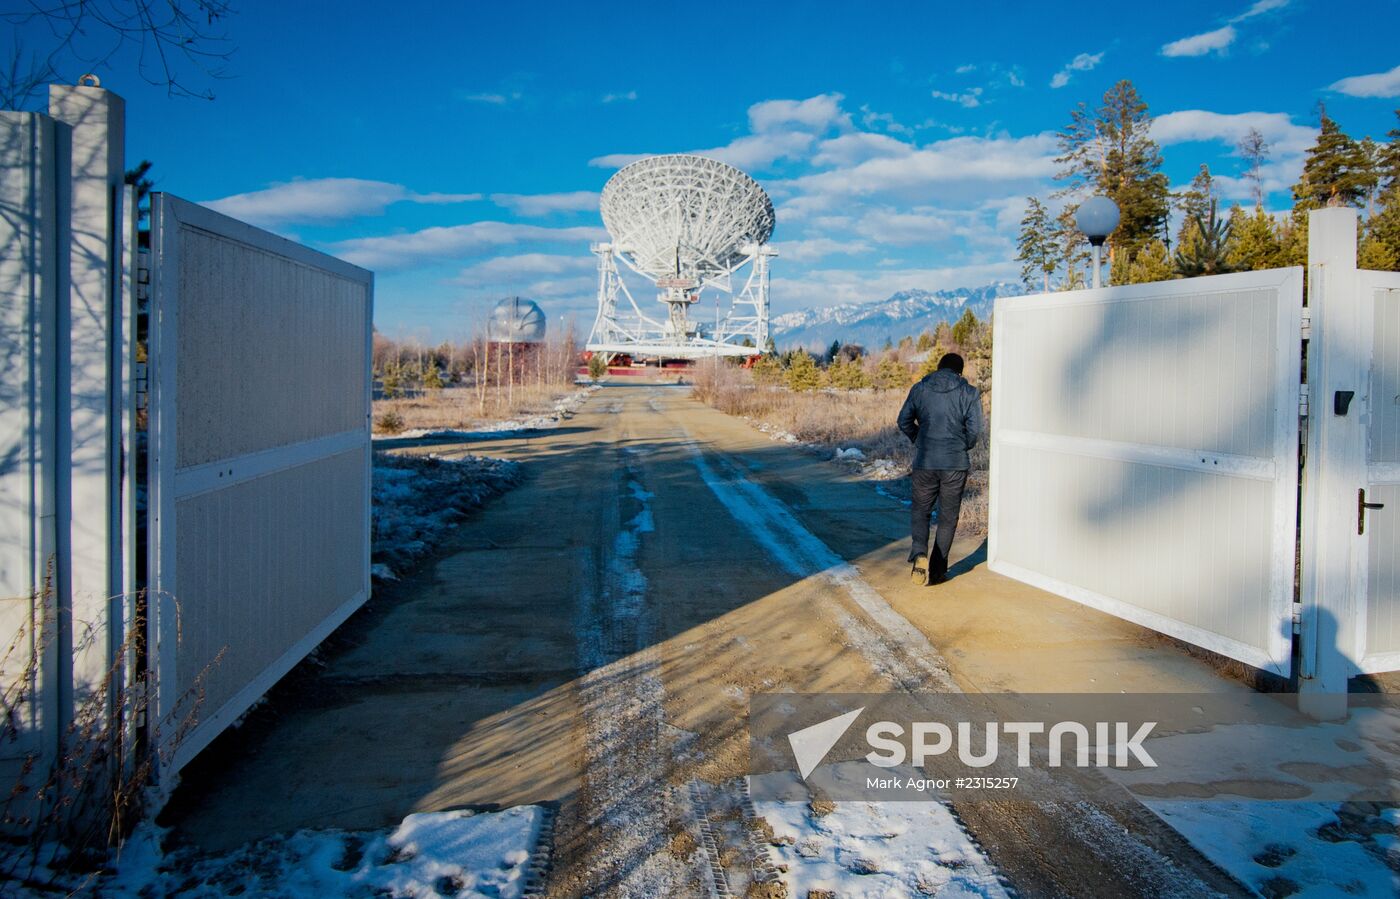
(947, 488)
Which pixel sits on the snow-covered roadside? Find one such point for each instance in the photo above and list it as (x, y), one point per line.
(417, 499)
(563, 409)
(852, 457)
(1299, 849)
(880, 850)
(455, 853)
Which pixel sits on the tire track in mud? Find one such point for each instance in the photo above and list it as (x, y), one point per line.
(628, 810)
(1059, 848)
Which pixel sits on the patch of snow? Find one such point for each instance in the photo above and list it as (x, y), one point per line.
(852, 454)
(880, 850)
(457, 853)
(1300, 849)
(417, 499)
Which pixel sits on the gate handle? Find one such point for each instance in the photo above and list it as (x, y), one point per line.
(1361, 507)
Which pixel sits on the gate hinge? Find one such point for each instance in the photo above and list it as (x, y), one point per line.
(1303, 400)
(1297, 618)
(1307, 323)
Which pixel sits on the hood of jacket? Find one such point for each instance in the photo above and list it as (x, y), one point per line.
(944, 381)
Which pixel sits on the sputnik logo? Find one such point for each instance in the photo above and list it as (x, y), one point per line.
(811, 744)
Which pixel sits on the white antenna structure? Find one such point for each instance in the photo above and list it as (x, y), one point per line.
(685, 223)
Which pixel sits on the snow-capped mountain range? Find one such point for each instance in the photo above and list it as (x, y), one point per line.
(903, 314)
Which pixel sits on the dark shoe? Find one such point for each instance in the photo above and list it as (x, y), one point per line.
(920, 574)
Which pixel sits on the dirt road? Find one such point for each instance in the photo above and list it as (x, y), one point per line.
(592, 639)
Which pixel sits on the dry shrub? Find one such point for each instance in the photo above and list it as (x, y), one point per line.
(841, 419)
(467, 407)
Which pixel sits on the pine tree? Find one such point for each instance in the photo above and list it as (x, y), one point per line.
(1112, 152)
(890, 374)
(924, 342)
(1207, 251)
(391, 381)
(1255, 150)
(768, 371)
(1194, 202)
(1150, 264)
(1335, 172)
(1036, 245)
(432, 378)
(1071, 248)
(802, 373)
(964, 329)
(833, 350)
(1256, 241)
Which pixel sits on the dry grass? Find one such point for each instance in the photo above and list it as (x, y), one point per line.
(839, 419)
(465, 408)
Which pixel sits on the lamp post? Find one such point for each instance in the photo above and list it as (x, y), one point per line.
(1097, 217)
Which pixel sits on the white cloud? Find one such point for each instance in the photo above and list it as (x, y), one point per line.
(856, 147)
(1200, 44)
(323, 200)
(1084, 62)
(1380, 84)
(491, 98)
(1259, 8)
(957, 159)
(872, 119)
(513, 270)
(403, 250)
(1284, 137)
(965, 69)
(543, 204)
(781, 129)
(614, 98)
(616, 160)
(812, 249)
(751, 152)
(816, 114)
(971, 98)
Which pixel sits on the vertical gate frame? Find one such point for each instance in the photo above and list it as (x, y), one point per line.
(1336, 460)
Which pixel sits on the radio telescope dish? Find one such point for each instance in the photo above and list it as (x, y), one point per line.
(685, 223)
(685, 215)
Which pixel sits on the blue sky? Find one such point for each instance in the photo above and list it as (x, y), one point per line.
(457, 148)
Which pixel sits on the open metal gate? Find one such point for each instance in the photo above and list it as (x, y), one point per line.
(259, 463)
(1145, 454)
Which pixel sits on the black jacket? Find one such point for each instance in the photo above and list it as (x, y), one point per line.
(942, 417)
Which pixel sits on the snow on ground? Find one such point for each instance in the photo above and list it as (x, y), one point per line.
(1300, 849)
(873, 469)
(455, 853)
(417, 499)
(564, 407)
(879, 850)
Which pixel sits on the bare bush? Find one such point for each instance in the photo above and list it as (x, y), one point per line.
(831, 419)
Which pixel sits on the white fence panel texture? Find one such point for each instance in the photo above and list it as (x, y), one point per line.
(260, 456)
(1145, 454)
(1380, 294)
(29, 463)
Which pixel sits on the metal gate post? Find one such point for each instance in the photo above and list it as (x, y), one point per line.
(1338, 362)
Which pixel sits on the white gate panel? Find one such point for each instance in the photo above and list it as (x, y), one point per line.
(260, 461)
(1145, 454)
(1380, 624)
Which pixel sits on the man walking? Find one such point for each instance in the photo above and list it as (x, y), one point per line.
(942, 417)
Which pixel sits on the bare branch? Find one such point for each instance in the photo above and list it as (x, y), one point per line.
(177, 43)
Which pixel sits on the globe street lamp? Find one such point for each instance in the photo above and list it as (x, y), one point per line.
(1097, 217)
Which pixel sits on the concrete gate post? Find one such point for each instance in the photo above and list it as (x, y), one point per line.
(1338, 363)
